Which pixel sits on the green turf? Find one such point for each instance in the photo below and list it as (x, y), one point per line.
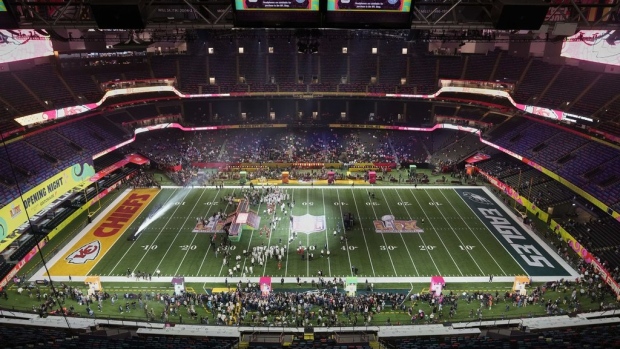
(454, 241)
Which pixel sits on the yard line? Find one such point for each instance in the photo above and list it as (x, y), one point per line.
(134, 242)
(307, 234)
(401, 235)
(455, 234)
(420, 235)
(271, 230)
(472, 231)
(209, 248)
(361, 226)
(436, 232)
(329, 263)
(288, 238)
(245, 259)
(196, 234)
(346, 241)
(190, 214)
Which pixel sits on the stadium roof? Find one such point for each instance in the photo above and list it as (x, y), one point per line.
(218, 14)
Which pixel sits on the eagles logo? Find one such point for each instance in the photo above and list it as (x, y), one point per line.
(477, 198)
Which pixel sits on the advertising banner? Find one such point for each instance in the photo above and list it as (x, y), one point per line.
(21, 264)
(542, 215)
(477, 158)
(265, 285)
(14, 214)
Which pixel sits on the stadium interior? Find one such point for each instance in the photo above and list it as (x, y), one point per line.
(100, 96)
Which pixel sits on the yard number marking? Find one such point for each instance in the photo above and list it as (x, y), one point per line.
(387, 247)
(149, 247)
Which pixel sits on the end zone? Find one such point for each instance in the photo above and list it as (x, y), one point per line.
(87, 249)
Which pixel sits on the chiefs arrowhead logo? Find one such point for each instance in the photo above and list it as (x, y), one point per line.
(86, 253)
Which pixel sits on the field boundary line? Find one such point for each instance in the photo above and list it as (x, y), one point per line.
(436, 232)
(334, 187)
(293, 280)
(472, 231)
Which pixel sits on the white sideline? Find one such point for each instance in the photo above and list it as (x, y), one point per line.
(41, 274)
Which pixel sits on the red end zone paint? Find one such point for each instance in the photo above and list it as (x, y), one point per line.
(91, 248)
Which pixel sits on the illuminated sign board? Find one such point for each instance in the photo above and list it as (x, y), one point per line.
(599, 46)
(311, 5)
(369, 5)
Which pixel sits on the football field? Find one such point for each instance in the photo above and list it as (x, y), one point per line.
(397, 233)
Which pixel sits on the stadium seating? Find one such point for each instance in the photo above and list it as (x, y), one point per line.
(480, 67)
(451, 67)
(535, 81)
(28, 336)
(590, 337)
(558, 96)
(82, 85)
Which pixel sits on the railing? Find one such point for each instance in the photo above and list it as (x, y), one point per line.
(141, 320)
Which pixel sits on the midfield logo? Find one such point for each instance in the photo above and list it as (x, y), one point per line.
(308, 224)
(477, 198)
(389, 224)
(86, 253)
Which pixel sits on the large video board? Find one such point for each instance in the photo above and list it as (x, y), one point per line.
(18, 45)
(277, 13)
(600, 46)
(368, 13)
(369, 5)
(310, 5)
